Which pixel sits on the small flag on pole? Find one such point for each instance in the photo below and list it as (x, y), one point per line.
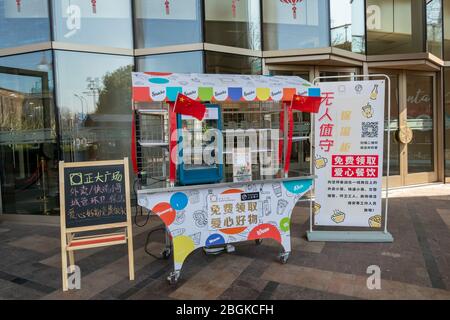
(310, 103)
(190, 107)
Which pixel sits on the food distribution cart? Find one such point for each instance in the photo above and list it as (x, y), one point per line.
(223, 179)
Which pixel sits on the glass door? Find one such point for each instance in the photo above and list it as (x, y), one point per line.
(418, 131)
(28, 148)
(412, 129)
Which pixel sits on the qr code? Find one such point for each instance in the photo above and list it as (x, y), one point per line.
(369, 130)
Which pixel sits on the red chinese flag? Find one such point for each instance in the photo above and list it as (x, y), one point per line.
(190, 107)
(306, 104)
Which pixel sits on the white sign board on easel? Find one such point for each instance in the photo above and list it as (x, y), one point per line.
(348, 159)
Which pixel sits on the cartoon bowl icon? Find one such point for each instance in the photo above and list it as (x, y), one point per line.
(338, 216)
(316, 208)
(375, 221)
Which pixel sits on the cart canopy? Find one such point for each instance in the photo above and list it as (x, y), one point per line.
(157, 86)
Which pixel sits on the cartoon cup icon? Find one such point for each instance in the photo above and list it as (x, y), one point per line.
(367, 111)
(321, 162)
(277, 189)
(282, 204)
(316, 208)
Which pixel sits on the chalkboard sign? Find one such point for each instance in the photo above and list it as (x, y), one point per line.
(95, 209)
(94, 195)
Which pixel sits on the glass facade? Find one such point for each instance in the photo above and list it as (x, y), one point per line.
(447, 120)
(216, 62)
(177, 22)
(420, 115)
(28, 135)
(23, 23)
(393, 126)
(101, 22)
(295, 24)
(181, 62)
(233, 23)
(64, 104)
(347, 25)
(446, 14)
(395, 26)
(434, 27)
(94, 101)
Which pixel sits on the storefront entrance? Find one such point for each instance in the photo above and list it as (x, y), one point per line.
(28, 148)
(413, 154)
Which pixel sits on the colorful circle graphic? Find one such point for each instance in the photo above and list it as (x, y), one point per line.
(285, 224)
(158, 80)
(265, 231)
(214, 239)
(182, 247)
(165, 211)
(179, 200)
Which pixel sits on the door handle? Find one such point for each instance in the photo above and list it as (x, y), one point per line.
(404, 135)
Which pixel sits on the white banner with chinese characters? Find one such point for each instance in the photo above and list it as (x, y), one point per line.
(348, 160)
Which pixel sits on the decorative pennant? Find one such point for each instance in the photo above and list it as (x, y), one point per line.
(294, 6)
(167, 5)
(94, 6)
(233, 7)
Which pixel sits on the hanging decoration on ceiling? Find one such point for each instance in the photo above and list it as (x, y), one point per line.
(18, 4)
(94, 6)
(167, 5)
(294, 6)
(233, 7)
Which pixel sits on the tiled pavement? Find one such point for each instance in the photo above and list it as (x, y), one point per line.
(415, 266)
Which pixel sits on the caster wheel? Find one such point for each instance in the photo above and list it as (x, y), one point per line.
(258, 241)
(173, 278)
(166, 253)
(284, 258)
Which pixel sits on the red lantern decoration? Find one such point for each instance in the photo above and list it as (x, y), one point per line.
(18, 5)
(294, 6)
(94, 6)
(167, 4)
(233, 7)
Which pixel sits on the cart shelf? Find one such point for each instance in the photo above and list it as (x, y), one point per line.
(153, 143)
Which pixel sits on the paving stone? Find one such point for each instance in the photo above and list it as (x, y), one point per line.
(37, 243)
(214, 279)
(415, 266)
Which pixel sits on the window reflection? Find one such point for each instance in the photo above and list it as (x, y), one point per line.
(434, 27)
(447, 120)
(23, 22)
(100, 22)
(232, 64)
(347, 25)
(94, 101)
(446, 30)
(233, 23)
(28, 140)
(392, 126)
(420, 120)
(183, 62)
(295, 24)
(301, 147)
(162, 23)
(394, 27)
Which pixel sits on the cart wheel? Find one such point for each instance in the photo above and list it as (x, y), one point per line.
(258, 241)
(166, 253)
(173, 277)
(284, 257)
